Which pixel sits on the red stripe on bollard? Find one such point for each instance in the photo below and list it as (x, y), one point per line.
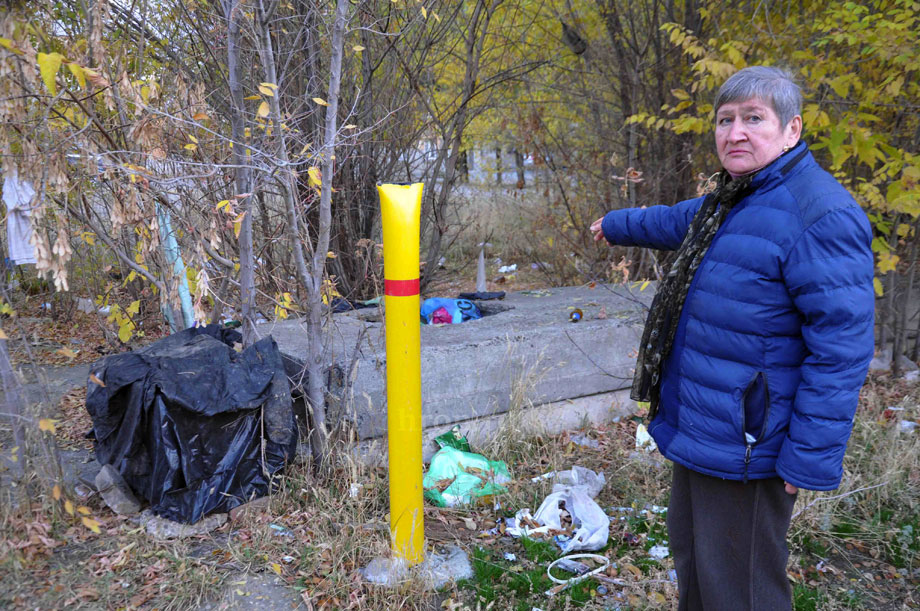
(400, 288)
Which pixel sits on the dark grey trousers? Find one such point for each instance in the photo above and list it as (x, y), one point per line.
(728, 540)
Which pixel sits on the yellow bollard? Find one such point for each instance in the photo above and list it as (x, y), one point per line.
(401, 207)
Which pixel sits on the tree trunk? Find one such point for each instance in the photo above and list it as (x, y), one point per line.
(316, 390)
(241, 171)
(498, 165)
(519, 166)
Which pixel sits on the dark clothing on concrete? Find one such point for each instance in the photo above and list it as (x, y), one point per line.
(728, 540)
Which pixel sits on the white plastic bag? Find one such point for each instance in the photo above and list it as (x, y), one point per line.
(582, 477)
(590, 522)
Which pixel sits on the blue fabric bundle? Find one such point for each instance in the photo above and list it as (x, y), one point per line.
(460, 310)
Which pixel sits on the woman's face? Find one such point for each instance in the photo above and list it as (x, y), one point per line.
(749, 135)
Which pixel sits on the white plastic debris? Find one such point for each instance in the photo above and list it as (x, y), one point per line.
(569, 564)
(573, 491)
(907, 426)
(580, 477)
(590, 522)
(508, 269)
(659, 552)
(584, 441)
(644, 441)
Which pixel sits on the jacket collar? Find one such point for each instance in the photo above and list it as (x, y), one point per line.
(776, 172)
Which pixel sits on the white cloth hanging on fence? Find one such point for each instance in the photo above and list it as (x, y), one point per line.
(18, 195)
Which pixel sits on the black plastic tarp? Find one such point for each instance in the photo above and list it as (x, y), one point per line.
(183, 420)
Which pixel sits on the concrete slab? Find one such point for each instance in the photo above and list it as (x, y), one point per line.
(261, 592)
(547, 418)
(530, 354)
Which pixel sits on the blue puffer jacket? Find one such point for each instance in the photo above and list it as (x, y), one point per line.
(776, 333)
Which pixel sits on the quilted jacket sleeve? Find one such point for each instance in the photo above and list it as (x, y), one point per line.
(661, 227)
(829, 275)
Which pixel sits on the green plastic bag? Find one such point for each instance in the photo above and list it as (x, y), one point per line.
(455, 439)
(471, 476)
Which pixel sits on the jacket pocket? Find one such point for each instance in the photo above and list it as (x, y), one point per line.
(755, 403)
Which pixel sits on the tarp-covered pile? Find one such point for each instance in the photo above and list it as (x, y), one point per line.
(184, 420)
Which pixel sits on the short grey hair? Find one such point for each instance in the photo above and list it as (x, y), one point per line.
(772, 85)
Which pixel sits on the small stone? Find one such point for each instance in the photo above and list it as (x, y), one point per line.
(161, 528)
(115, 492)
(249, 510)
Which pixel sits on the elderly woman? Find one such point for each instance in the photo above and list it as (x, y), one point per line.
(756, 345)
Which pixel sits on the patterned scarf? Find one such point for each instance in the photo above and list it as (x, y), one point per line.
(663, 317)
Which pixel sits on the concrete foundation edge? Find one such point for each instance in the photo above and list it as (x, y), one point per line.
(547, 418)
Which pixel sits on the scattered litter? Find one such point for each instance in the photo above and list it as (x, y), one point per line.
(644, 441)
(508, 269)
(572, 566)
(659, 552)
(672, 575)
(281, 530)
(907, 426)
(455, 477)
(454, 439)
(510, 557)
(441, 310)
(632, 539)
(583, 440)
(657, 509)
(569, 561)
(354, 489)
(548, 475)
(439, 569)
(911, 376)
(589, 524)
(287, 559)
(580, 477)
(385, 571)
(435, 571)
(601, 590)
(576, 315)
